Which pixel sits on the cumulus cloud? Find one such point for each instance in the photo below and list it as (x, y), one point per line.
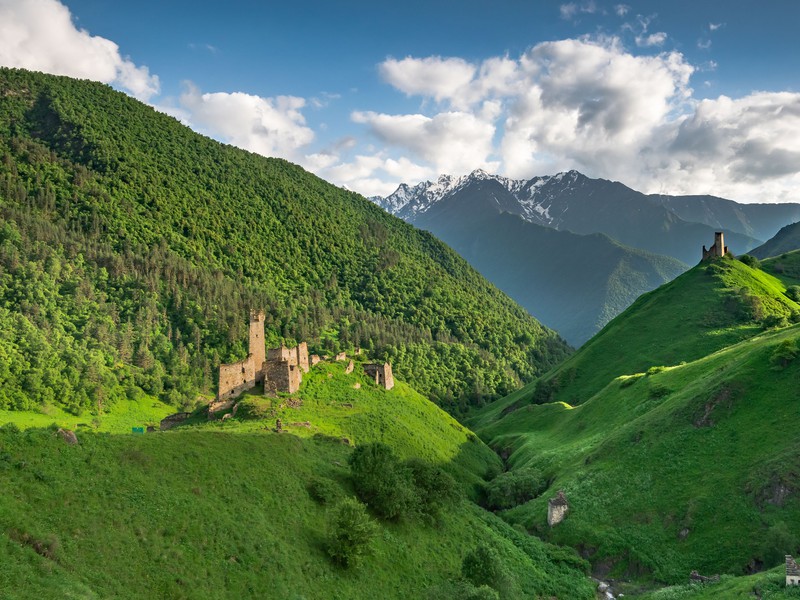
(454, 141)
(268, 126)
(621, 9)
(40, 35)
(434, 76)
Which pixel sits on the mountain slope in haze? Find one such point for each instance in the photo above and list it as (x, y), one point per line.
(786, 240)
(759, 221)
(673, 431)
(573, 202)
(572, 283)
(131, 250)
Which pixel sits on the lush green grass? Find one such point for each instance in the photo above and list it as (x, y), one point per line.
(769, 585)
(221, 508)
(673, 470)
(710, 307)
(785, 266)
(125, 416)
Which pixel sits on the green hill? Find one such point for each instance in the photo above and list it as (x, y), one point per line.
(709, 307)
(681, 453)
(232, 509)
(132, 248)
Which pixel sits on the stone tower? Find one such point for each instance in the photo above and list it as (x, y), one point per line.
(258, 350)
(718, 249)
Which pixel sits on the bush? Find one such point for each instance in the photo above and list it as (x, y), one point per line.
(382, 482)
(514, 488)
(435, 488)
(750, 261)
(352, 532)
(793, 293)
(483, 567)
(784, 353)
(775, 321)
(323, 490)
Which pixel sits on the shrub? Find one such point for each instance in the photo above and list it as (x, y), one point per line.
(784, 353)
(483, 567)
(435, 488)
(323, 490)
(750, 261)
(775, 321)
(793, 293)
(514, 488)
(382, 482)
(351, 534)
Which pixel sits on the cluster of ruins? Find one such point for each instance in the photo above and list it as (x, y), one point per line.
(278, 369)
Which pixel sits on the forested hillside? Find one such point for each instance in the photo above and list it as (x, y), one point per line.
(132, 248)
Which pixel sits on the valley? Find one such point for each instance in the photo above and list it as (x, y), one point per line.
(132, 253)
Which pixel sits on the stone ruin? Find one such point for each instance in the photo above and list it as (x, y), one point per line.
(718, 249)
(277, 370)
(381, 373)
(557, 509)
(171, 421)
(792, 571)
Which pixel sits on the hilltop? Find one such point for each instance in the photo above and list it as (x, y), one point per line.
(710, 307)
(131, 249)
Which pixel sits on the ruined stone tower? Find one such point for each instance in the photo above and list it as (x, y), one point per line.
(382, 374)
(718, 249)
(557, 509)
(258, 349)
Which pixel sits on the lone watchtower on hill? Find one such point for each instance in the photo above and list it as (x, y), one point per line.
(718, 249)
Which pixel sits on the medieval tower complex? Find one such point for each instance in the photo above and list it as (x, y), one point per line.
(279, 370)
(718, 249)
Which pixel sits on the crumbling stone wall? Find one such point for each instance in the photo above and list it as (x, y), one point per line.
(382, 374)
(302, 356)
(170, 421)
(792, 571)
(282, 354)
(236, 378)
(281, 376)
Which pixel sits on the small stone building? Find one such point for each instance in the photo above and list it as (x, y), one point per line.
(382, 374)
(792, 571)
(557, 509)
(718, 249)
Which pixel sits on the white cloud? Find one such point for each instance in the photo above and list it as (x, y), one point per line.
(440, 78)
(571, 9)
(703, 44)
(454, 142)
(268, 126)
(40, 35)
(654, 39)
(621, 9)
(715, 26)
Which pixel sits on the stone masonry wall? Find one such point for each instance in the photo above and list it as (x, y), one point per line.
(281, 376)
(302, 356)
(236, 378)
(257, 347)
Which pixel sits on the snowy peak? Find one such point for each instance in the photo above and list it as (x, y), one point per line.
(532, 198)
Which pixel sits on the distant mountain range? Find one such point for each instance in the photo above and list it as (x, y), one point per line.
(627, 242)
(786, 240)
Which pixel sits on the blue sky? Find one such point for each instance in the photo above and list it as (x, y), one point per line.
(675, 97)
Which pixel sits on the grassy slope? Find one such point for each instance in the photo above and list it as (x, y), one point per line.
(690, 317)
(786, 267)
(786, 240)
(701, 446)
(769, 585)
(639, 465)
(220, 509)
